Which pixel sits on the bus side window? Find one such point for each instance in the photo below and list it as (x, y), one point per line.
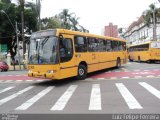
(108, 45)
(80, 44)
(123, 46)
(92, 45)
(101, 45)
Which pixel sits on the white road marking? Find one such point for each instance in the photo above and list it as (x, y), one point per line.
(125, 77)
(128, 97)
(137, 76)
(6, 89)
(1, 81)
(8, 81)
(28, 80)
(101, 78)
(113, 78)
(34, 99)
(95, 99)
(151, 89)
(40, 80)
(150, 76)
(62, 101)
(18, 80)
(10, 75)
(124, 69)
(4, 100)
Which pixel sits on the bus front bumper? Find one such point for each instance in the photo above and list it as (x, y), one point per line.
(41, 75)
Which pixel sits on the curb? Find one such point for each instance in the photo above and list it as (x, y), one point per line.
(17, 67)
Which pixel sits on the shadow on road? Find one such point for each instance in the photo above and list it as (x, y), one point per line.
(71, 80)
(57, 83)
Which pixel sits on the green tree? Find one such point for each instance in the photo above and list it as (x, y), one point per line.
(7, 32)
(7, 29)
(65, 16)
(65, 20)
(74, 23)
(148, 14)
(50, 23)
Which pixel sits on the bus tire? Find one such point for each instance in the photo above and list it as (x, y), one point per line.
(82, 72)
(139, 59)
(130, 60)
(118, 63)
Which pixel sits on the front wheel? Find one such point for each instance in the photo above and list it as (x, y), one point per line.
(82, 72)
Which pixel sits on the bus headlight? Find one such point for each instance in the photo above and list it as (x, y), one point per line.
(30, 71)
(50, 71)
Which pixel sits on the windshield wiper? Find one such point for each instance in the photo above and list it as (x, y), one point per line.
(44, 41)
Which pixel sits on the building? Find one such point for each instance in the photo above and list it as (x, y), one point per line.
(111, 30)
(139, 32)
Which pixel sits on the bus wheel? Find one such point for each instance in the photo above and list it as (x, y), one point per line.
(139, 59)
(82, 72)
(130, 59)
(118, 64)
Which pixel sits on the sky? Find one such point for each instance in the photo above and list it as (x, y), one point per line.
(95, 14)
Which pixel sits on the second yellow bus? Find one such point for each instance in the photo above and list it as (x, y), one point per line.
(148, 51)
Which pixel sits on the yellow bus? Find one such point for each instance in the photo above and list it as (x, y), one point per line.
(148, 51)
(60, 53)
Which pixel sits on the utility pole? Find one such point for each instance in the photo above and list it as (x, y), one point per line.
(22, 22)
(154, 26)
(38, 4)
(18, 47)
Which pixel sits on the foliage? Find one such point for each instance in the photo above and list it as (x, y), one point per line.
(148, 14)
(10, 14)
(50, 23)
(65, 20)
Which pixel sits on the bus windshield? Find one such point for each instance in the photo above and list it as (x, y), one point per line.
(43, 50)
(155, 45)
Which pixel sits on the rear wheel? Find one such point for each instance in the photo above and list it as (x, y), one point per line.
(139, 59)
(1, 70)
(118, 64)
(82, 72)
(130, 59)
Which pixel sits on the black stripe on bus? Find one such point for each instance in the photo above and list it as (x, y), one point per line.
(88, 64)
(68, 67)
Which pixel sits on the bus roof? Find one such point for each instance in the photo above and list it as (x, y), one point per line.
(65, 31)
(88, 34)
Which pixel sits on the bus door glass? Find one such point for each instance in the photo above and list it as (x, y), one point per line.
(67, 62)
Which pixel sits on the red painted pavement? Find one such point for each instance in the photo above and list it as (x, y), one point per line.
(127, 74)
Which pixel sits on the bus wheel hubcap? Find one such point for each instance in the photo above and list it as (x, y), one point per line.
(81, 71)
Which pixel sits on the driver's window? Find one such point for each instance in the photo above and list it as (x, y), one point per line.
(66, 50)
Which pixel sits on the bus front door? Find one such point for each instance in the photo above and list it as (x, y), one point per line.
(67, 60)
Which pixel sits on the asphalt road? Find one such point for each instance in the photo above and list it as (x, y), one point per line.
(134, 88)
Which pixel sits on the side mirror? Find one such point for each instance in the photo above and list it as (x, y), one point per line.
(60, 37)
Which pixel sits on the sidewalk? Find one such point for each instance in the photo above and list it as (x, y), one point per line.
(17, 67)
